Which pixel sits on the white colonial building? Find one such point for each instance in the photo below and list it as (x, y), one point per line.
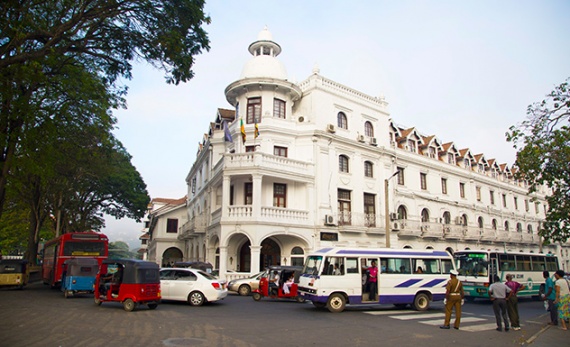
(329, 166)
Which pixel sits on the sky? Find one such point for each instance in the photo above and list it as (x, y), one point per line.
(464, 71)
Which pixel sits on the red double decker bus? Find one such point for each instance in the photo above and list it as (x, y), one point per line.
(71, 245)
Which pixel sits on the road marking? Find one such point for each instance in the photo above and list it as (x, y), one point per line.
(463, 320)
(478, 327)
(418, 316)
(380, 313)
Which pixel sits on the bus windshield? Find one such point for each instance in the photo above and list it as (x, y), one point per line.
(84, 248)
(312, 264)
(472, 264)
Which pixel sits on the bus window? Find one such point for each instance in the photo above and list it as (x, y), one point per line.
(523, 262)
(551, 264)
(352, 266)
(398, 265)
(426, 266)
(335, 266)
(446, 266)
(507, 262)
(538, 263)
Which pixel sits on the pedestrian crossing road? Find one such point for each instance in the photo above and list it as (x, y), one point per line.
(469, 322)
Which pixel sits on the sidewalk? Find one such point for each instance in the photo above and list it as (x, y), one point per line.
(549, 336)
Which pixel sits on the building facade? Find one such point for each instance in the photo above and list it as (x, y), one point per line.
(294, 167)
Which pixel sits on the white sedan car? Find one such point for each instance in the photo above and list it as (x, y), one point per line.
(191, 285)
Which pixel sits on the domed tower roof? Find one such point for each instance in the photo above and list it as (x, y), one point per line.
(264, 62)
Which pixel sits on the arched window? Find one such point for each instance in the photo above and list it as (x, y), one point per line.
(341, 120)
(529, 228)
(519, 228)
(480, 222)
(368, 129)
(446, 217)
(368, 169)
(494, 224)
(450, 250)
(464, 220)
(402, 213)
(408, 247)
(506, 225)
(343, 163)
(297, 258)
(425, 215)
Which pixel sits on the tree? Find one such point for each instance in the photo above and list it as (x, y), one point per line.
(120, 250)
(41, 41)
(543, 153)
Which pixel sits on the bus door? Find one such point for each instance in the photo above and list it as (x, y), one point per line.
(493, 269)
(370, 278)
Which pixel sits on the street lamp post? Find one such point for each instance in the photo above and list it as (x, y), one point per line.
(387, 208)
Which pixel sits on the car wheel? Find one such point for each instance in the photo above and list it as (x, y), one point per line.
(244, 290)
(336, 303)
(129, 305)
(152, 306)
(256, 296)
(421, 302)
(196, 299)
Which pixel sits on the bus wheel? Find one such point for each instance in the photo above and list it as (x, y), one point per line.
(336, 303)
(129, 305)
(256, 296)
(421, 302)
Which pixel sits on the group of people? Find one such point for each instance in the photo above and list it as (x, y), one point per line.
(505, 300)
(274, 283)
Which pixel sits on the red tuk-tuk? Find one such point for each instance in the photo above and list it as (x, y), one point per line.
(128, 281)
(279, 282)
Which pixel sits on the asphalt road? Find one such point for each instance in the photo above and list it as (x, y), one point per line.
(39, 316)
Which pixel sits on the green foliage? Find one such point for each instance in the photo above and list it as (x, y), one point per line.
(120, 250)
(61, 67)
(543, 144)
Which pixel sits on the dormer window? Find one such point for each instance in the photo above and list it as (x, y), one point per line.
(431, 152)
(412, 146)
(451, 158)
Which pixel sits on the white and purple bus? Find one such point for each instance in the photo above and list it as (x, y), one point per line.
(338, 277)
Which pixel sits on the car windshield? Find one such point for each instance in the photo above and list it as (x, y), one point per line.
(312, 264)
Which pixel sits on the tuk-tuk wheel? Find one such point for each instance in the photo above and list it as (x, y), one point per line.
(152, 306)
(256, 296)
(129, 305)
(300, 299)
(67, 293)
(97, 301)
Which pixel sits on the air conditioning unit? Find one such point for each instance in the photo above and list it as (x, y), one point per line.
(396, 226)
(373, 141)
(360, 138)
(329, 220)
(331, 128)
(393, 216)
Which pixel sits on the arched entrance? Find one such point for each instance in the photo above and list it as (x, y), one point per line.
(270, 254)
(170, 256)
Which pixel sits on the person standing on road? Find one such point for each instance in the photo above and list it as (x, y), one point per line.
(498, 292)
(562, 287)
(550, 296)
(513, 302)
(453, 299)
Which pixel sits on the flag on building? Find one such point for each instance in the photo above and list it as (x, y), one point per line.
(227, 134)
(256, 131)
(242, 129)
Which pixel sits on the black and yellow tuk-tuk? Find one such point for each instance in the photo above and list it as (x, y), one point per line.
(14, 273)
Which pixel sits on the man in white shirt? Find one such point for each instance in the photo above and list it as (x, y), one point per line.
(499, 292)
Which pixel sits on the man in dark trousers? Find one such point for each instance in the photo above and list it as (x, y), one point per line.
(453, 299)
(498, 292)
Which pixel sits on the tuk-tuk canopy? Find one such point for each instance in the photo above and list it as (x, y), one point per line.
(135, 271)
(284, 269)
(81, 267)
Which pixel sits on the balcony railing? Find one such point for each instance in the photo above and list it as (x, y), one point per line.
(267, 161)
(193, 227)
